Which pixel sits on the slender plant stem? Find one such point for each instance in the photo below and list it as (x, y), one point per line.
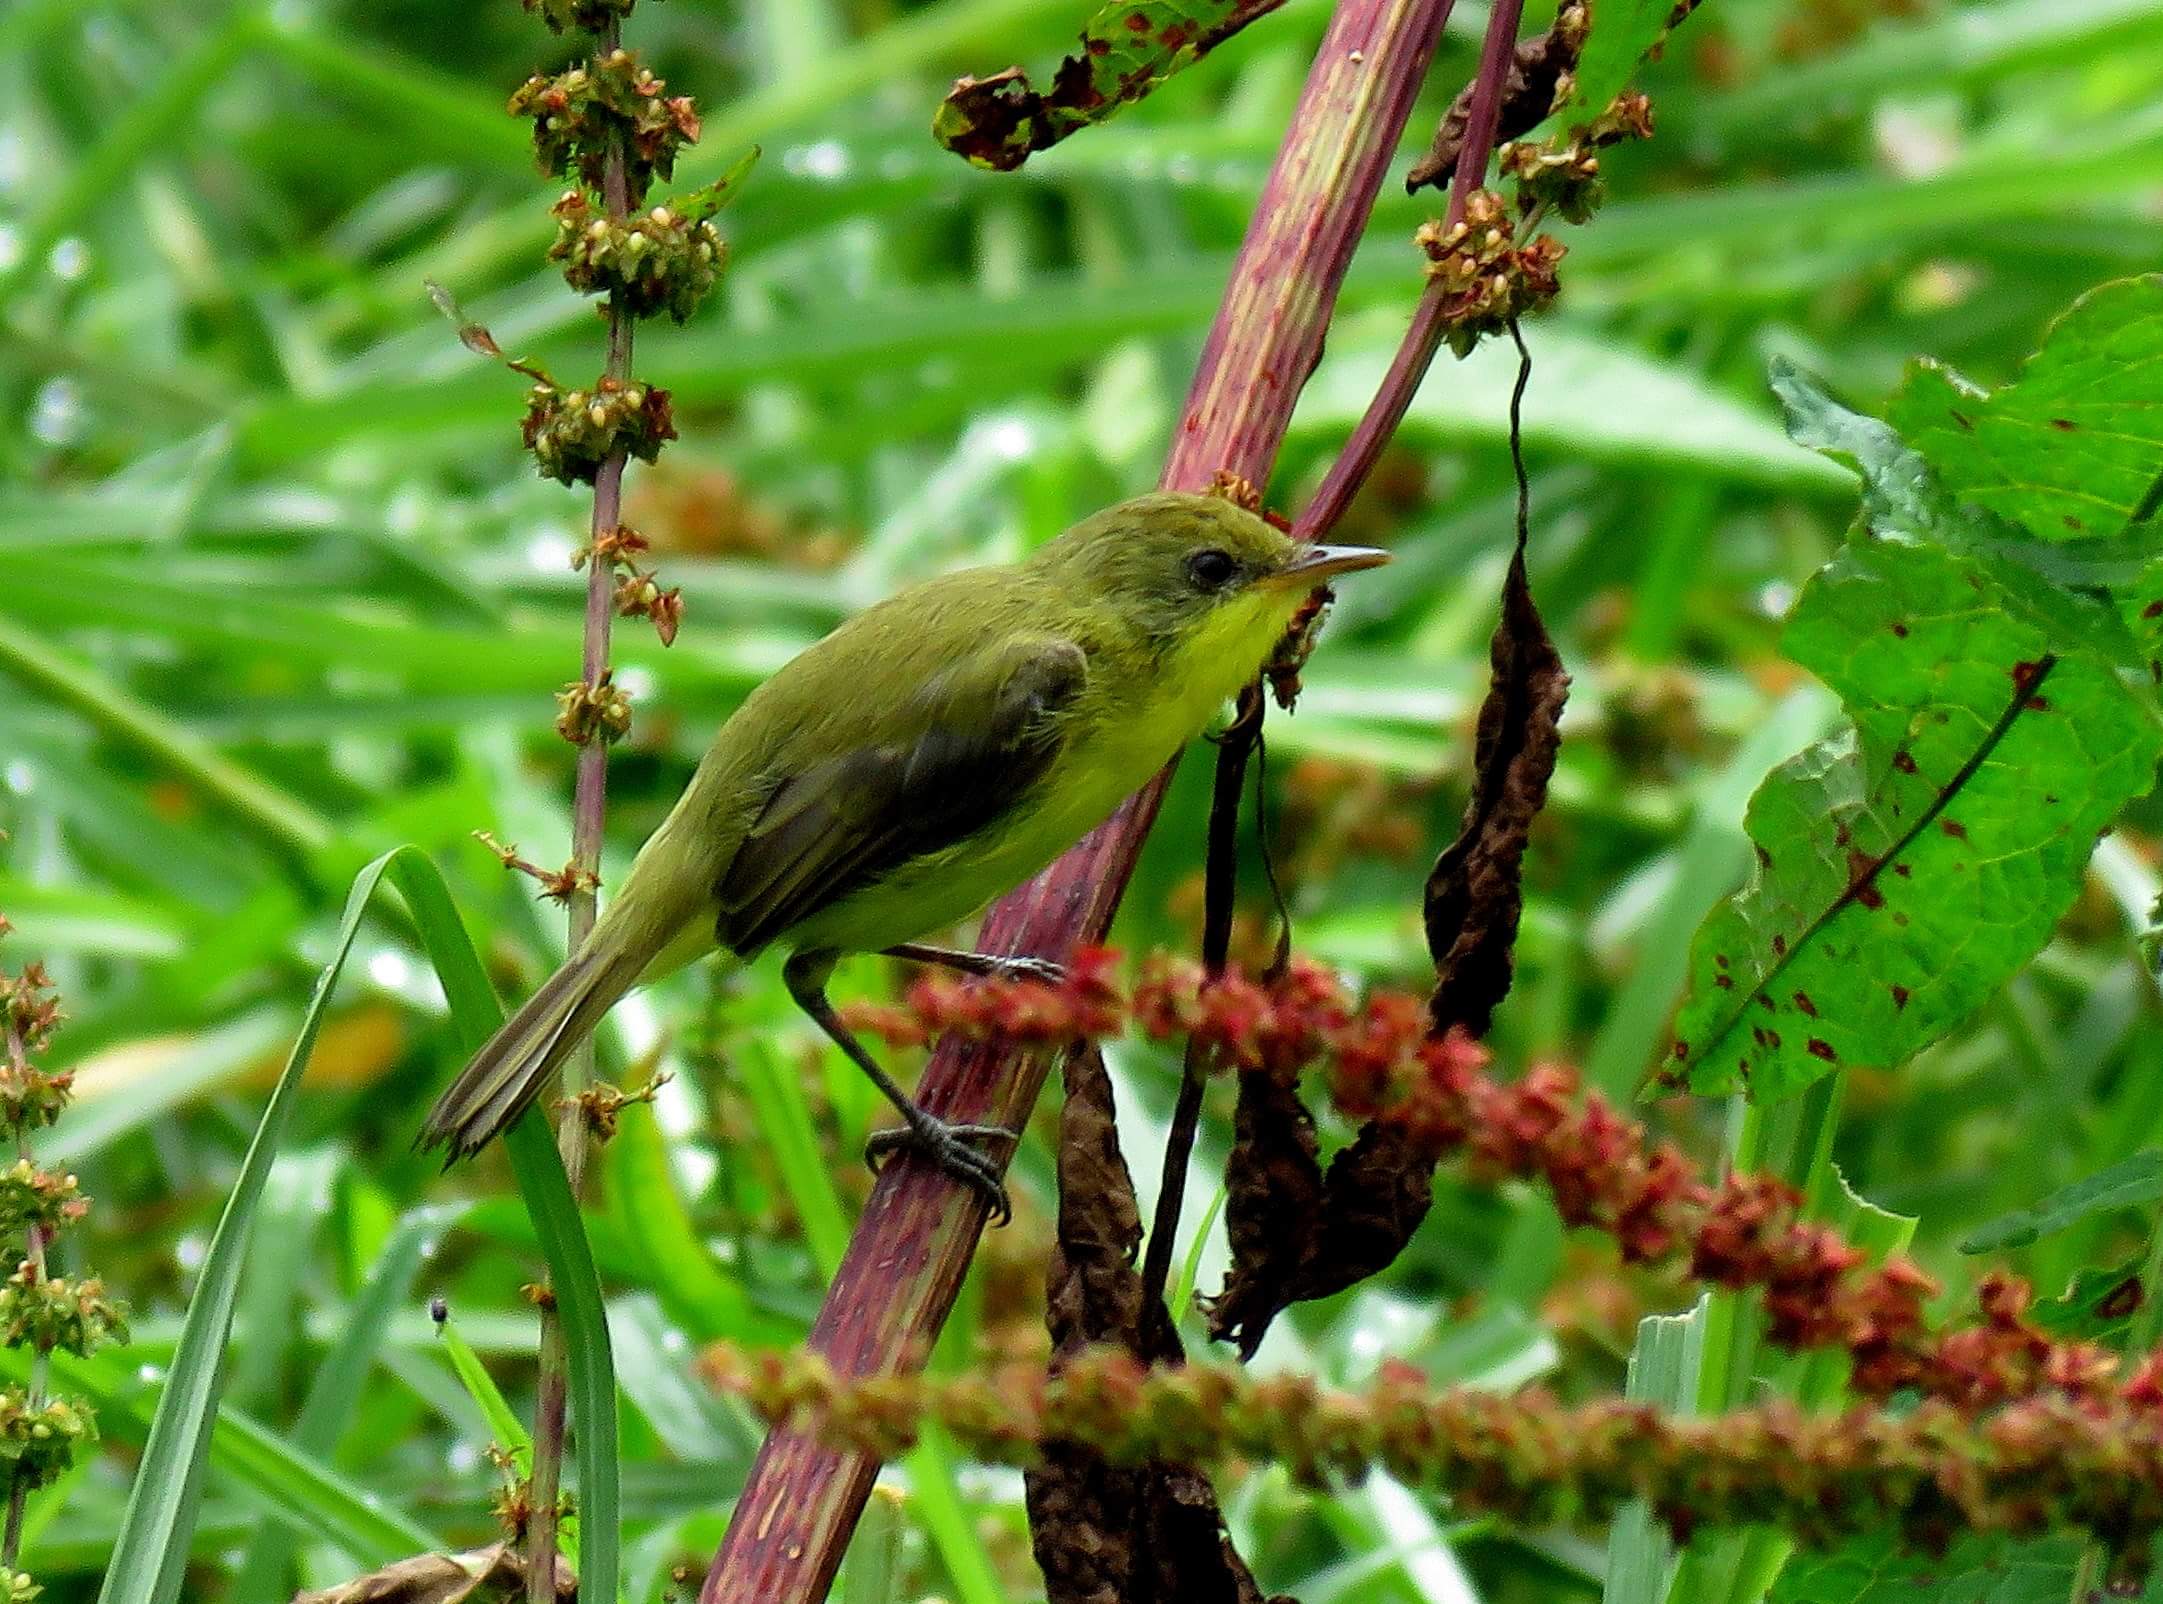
(905, 1262)
(588, 815)
(41, 1361)
(1346, 475)
(1220, 877)
(1423, 338)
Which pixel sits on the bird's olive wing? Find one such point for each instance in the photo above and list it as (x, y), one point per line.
(979, 735)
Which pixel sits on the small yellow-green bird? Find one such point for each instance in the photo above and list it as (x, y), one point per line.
(933, 752)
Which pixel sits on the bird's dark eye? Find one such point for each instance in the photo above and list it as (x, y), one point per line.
(1211, 569)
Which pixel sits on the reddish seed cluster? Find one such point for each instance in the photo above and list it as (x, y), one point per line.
(29, 1014)
(2042, 1464)
(1488, 277)
(1604, 1172)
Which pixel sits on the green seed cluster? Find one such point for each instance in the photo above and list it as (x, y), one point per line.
(579, 114)
(655, 261)
(572, 432)
(40, 1436)
(48, 1312)
(586, 713)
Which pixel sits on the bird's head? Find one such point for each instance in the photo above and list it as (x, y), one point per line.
(1198, 577)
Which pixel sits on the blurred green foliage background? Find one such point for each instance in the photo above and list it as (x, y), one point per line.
(263, 523)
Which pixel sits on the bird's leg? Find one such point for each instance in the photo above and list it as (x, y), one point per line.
(943, 1142)
(985, 965)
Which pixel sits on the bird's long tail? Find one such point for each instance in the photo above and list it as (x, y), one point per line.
(508, 1072)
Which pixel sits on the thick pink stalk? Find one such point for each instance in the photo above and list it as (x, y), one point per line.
(904, 1266)
(1424, 337)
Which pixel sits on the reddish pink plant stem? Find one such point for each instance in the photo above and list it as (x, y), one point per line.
(905, 1263)
(1409, 366)
(589, 812)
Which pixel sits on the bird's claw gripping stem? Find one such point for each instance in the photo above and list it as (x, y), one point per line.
(946, 1145)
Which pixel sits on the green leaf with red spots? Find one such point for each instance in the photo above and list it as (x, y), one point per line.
(1127, 49)
(1909, 865)
(2072, 448)
(2141, 605)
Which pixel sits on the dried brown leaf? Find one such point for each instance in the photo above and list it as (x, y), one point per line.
(1299, 1233)
(495, 1575)
(1127, 48)
(1146, 1534)
(1273, 1210)
(1475, 893)
(1527, 98)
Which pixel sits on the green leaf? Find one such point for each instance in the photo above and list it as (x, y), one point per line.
(872, 1572)
(2140, 604)
(1974, 1570)
(74, 683)
(776, 1093)
(710, 199)
(2073, 446)
(151, 1553)
(1622, 32)
(1910, 864)
(646, 1204)
(2138, 1179)
(1593, 398)
(1128, 47)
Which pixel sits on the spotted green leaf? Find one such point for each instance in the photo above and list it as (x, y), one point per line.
(2073, 446)
(2098, 1302)
(1912, 862)
(2141, 605)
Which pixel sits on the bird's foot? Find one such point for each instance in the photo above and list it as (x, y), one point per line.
(947, 1146)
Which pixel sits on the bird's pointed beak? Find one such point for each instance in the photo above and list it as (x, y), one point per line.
(1312, 565)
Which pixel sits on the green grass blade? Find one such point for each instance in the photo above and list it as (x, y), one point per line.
(336, 1391)
(946, 1517)
(303, 1491)
(73, 683)
(503, 1422)
(153, 121)
(151, 1553)
(1663, 1372)
(648, 1207)
(872, 1574)
(784, 1117)
(556, 1221)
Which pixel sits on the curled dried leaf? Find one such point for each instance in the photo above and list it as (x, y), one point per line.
(1475, 893)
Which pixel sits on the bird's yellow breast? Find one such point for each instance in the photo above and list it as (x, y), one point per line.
(1117, 735)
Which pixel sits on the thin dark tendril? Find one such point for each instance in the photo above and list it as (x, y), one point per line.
(1281, 959)
(1241, 739)
(1517, 438)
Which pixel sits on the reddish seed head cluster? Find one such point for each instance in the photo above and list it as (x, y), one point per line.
(1601, 1167)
